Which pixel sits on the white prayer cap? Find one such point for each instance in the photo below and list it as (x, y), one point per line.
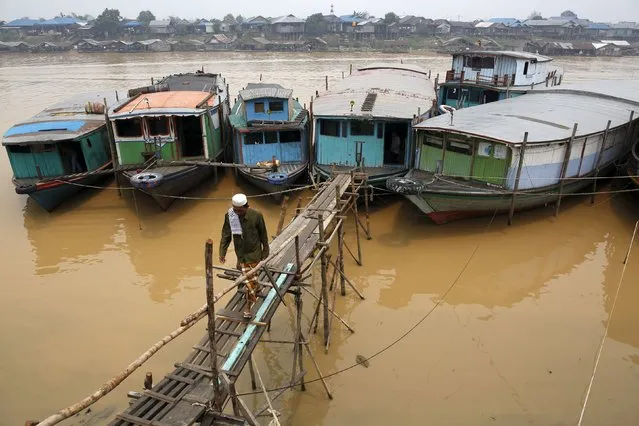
(239, 200)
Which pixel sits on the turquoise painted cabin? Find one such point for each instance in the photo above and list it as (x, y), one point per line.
(365, 121)
(69, 138)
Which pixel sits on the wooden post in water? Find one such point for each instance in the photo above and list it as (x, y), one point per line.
(368, 223)
(298, 337)
(598, 162)
(326, 82)
(322, 241)
(564, 167)
(252, 372)
(629, 129)
(112, 148)
(208, 264)
(356, 214)
(520, 165)
(280, 224)
(351, 71)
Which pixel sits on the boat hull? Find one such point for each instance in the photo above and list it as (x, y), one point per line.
(275, 189)
(443, 207)
(175, 182)
(54, 195)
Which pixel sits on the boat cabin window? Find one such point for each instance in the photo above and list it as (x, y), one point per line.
(258, 106)
(459, 147)
(526, 68)
(477, 62)
(19, 149)
(452, 93)
(290, 136)
(380, 130)
(270, 137)
(129, 128)
(362, 128)
(252, 138)
(434, 141)
(276, 106)
(158, 126)
(329, 128)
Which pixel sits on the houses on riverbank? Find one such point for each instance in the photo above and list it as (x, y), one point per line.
(564, 35)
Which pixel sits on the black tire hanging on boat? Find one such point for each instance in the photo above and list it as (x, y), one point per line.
(24, 188)
(404, 185)
(635, 150)
(146, 180)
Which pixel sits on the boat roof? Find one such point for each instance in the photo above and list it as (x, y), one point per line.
(65, 120)
(380, 91)
(264, 90)
(507, 53)
(194, 82)
(165, 103)
(547, 115)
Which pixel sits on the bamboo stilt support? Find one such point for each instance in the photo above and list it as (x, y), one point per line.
(368, 223)
(324, 277)
(356, 214)
(361, 296)
(352, 255)
(208, 262)
(280, 224)
(332, 312)
(340, 258)
(319, 372)
(252, 372)
(298, 209)
(112, 148)
(298, 338)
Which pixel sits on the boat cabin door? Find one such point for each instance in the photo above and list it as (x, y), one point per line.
(190, 137)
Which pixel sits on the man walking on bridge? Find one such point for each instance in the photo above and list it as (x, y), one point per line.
(247, 229)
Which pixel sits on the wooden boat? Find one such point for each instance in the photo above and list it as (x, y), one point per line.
(365, 121)
(170, 130)
(632, 165)
(480, 77)
(60, 149)
(476, 162)
(270, 137)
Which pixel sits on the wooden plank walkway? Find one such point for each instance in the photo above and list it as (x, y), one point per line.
(182, 396)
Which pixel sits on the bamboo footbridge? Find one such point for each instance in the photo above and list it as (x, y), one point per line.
(200, 388)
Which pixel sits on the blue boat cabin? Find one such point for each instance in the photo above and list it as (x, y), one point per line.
(268, 123)
(383, 143)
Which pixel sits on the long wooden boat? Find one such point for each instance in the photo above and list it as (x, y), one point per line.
(183, 118)
(480, 77)
(476, 162)
(365, 121)
(60, 150)
(270, 137)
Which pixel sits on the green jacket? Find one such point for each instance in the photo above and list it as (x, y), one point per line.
(252, 245)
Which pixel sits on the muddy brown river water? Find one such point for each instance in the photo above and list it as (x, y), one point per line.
(84, 290)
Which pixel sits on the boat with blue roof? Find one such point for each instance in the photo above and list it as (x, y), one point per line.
(270, 137)
(61, 150)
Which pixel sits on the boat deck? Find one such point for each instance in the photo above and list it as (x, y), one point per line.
(440, 183)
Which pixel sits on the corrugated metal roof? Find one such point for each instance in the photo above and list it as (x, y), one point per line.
(619, 43)
(507, 53)
(401, 91)
(161, 101)
(288, 19)
(264, 90)
(547, 115)
(485, 24)
(65, 120)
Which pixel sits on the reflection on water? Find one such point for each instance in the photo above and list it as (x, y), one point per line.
(100, 280)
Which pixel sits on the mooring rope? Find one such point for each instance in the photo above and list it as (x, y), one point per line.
(605, 335)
